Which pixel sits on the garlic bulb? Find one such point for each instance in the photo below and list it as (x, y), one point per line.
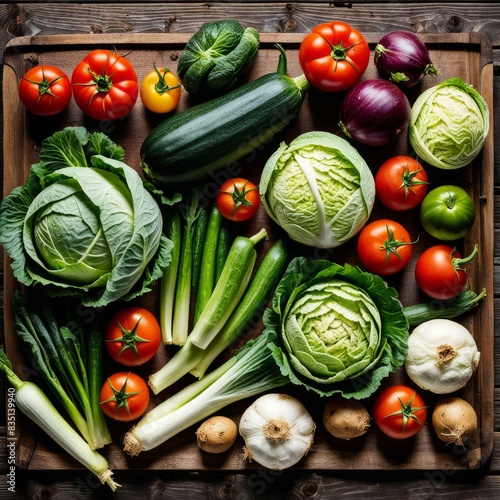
(442, 356)
(278, 431)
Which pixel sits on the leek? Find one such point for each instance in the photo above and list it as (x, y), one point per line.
(33, 403)
(251, 371)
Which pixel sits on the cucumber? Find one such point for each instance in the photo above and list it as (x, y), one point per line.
(205, 138)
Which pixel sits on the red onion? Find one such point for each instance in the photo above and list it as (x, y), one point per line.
(403, 58)
(375, 112)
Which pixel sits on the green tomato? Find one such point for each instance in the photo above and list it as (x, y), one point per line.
(447, 213)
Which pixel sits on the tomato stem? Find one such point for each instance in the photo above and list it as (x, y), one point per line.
(129, 339)
(44, 85)
(391, 245)
(409, 180)
(459, 263)
(161, 86)
(240, 195)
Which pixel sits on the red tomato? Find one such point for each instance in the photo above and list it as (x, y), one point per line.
(334, 56)
(45, 90)
(238, 199)
(384, 247)
(440, 271)
(132, 336)
(399, 412)
(401, 183)
(105, 85)
(124, 396)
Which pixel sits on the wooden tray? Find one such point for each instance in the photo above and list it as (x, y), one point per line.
(468, 56)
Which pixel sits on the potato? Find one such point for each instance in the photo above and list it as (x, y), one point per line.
(345, 418)
(217, 434)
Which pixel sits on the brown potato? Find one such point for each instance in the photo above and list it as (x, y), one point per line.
(217, 434)
(345, 418)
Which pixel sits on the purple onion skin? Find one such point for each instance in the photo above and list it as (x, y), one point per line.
(402, 58)
(374, 112)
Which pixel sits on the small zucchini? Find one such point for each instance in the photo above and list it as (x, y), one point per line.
(204, 138)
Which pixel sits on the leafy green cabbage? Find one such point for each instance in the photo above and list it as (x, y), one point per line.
(318, 189)
(84, 224)
(341, 330)
(449, 124)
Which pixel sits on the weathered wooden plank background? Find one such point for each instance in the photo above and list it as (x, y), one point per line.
(45, 18)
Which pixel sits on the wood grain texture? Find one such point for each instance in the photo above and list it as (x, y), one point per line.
(47, 18)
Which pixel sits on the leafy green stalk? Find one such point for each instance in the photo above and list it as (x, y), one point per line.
(250, 372)
(63, 354)
(200, 232)
(95, 377)
(31, 344)
(206, 281)
(190, 358)
(168, 281)
(182, 301)
(260, 288)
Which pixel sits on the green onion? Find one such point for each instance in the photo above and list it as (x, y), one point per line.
(168, 281)
(190, 358)
(199, 236)
(223, 246)
(182, 304)
(33, 403)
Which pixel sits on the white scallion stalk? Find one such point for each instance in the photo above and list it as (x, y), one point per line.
(250, 372)
(33, 402)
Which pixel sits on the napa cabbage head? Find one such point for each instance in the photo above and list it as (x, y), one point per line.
(318, 189)
(449, 124)
(340, 329)
(84, 224)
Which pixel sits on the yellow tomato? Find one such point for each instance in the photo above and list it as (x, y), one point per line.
(160, 90)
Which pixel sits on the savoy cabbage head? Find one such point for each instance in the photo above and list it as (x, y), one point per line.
(339, 329)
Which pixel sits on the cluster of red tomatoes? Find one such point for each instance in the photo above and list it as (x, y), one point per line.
(447, 213)
(104, 85)
(132, 338)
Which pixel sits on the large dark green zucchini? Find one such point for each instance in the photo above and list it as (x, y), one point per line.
(205, 138)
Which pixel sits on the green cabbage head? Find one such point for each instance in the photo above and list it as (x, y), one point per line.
(341, 330)
(318, 189)
(84, 224)
(449, 124)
